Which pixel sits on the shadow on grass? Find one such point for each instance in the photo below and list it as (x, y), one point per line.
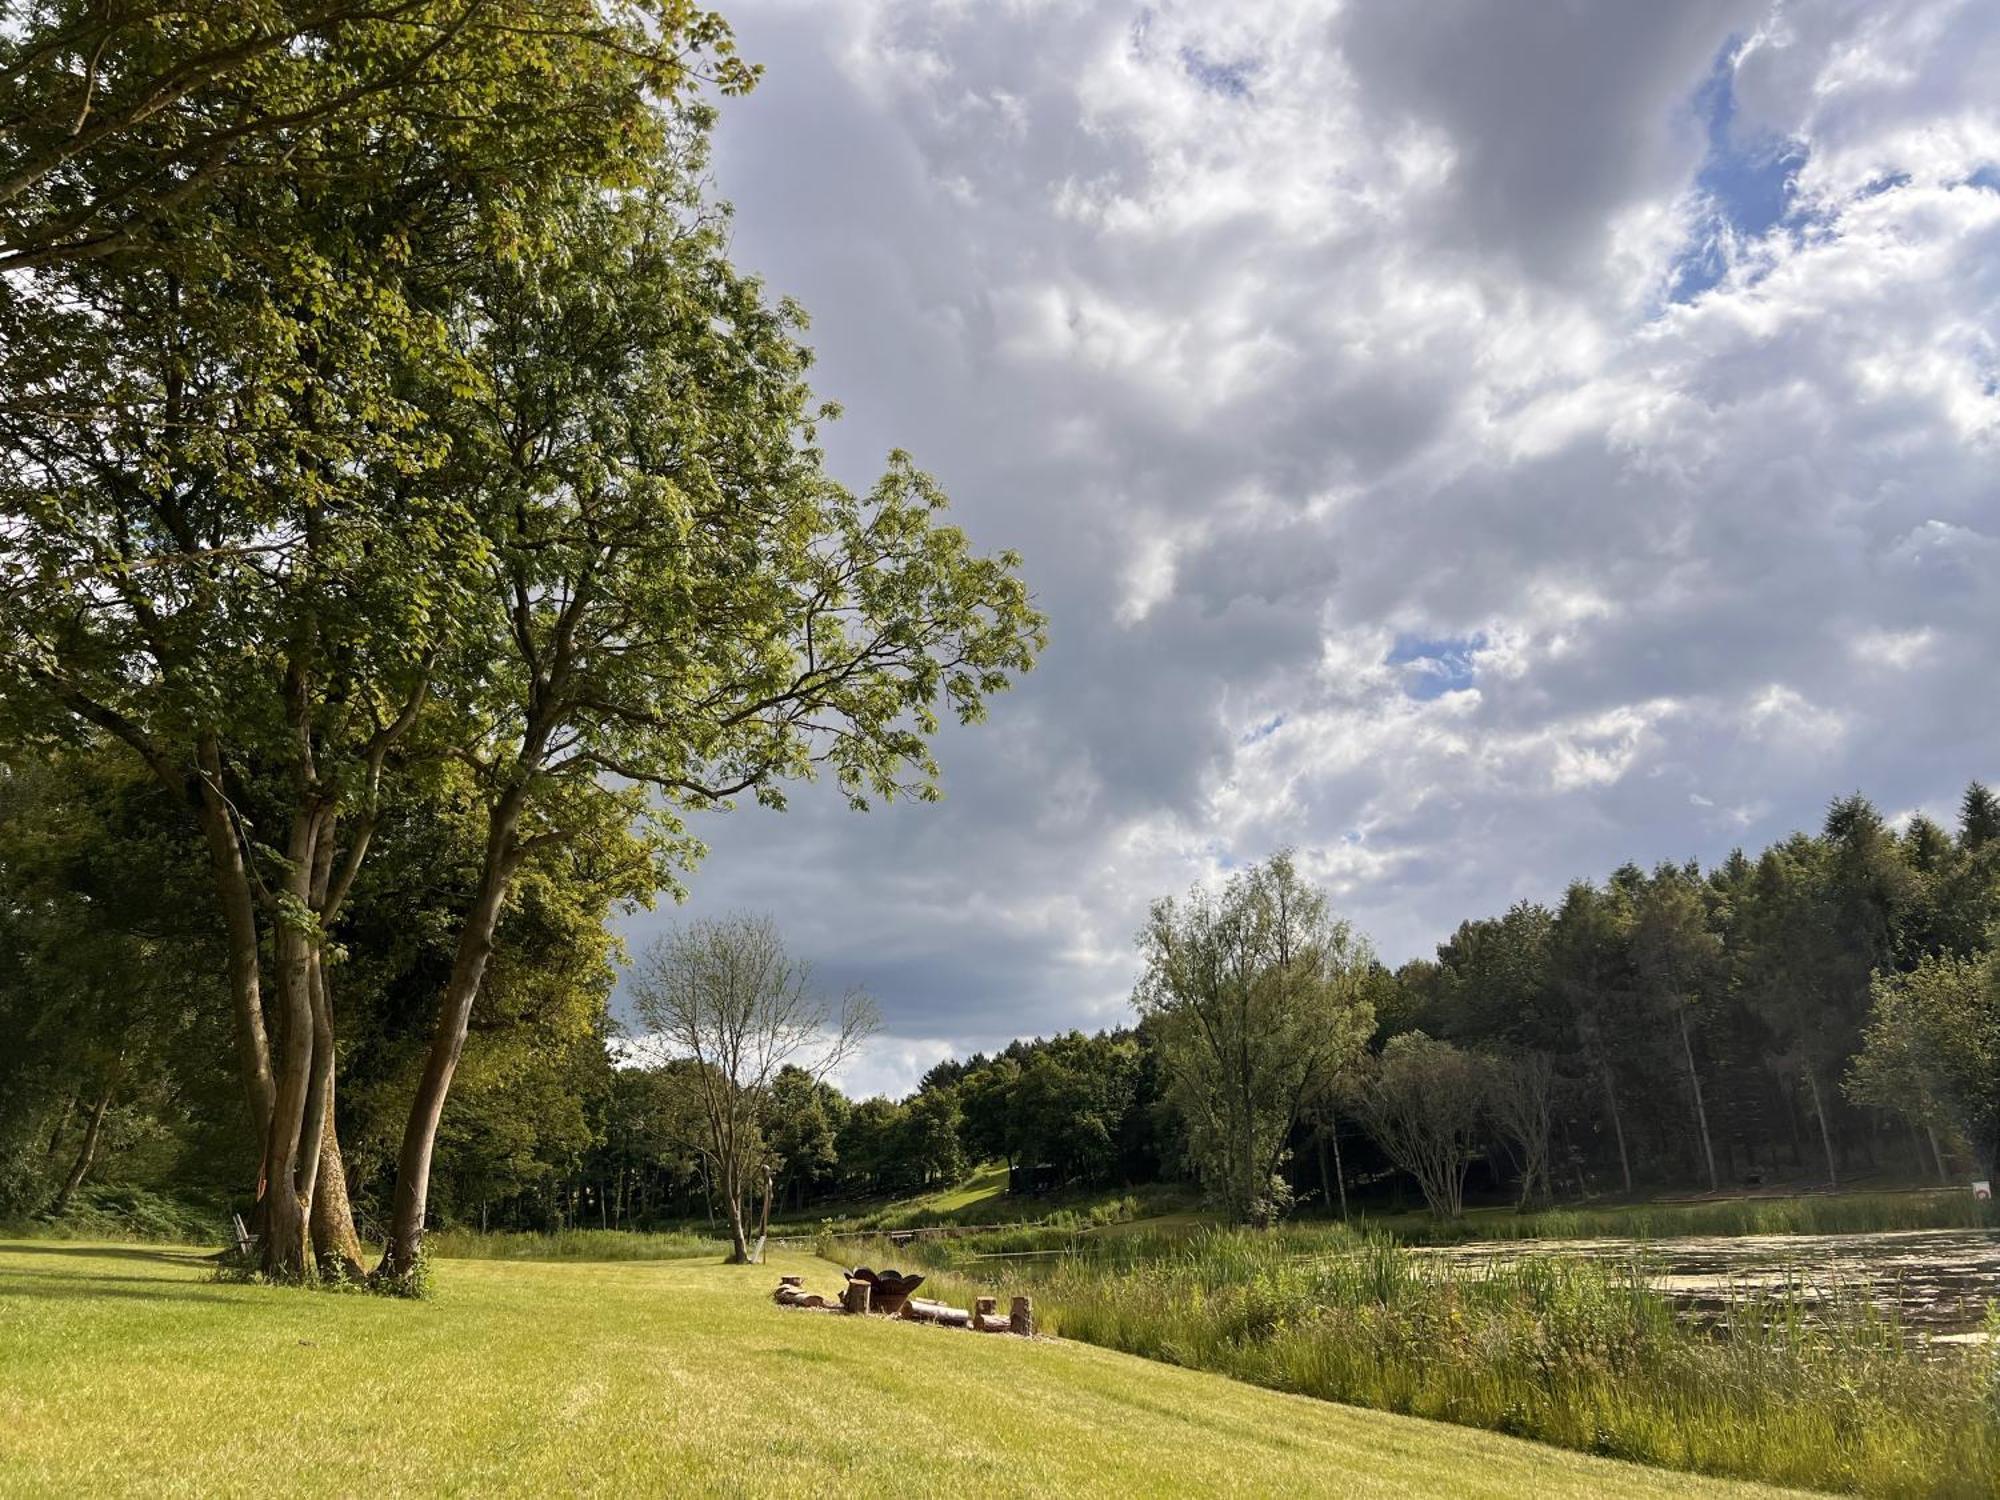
(75, 1288)
(66, 1278)
(173, 1255)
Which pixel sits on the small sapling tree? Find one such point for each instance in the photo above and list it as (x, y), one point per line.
(724, 995)
(1425, 1102)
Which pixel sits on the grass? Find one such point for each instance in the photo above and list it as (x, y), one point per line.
(1815, 1213)
(1825, 1213)
(982, 1198)
(125, 1371)
(573, 1244)
(1560, 1349)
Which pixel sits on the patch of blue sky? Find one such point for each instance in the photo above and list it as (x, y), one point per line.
(1232, 79)
(1748, 179)
(1262, 731)
(1436, 665)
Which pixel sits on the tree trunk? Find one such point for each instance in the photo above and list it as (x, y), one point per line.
(1930, 1132)
(763, 1222)
(86, 1154)
(336, 1247)
(1700, 1109)
(287, 1244)
(404, 1250)
(739, 1235)
(1825, 1134)
(1617, 1124)
(239, 914)
(62, 1124)
(319, 1076)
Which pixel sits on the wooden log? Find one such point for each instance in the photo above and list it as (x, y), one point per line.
(1022, 1317)
(992, 1323)
(985, 1305)
(921, 1310)
(855, 1298)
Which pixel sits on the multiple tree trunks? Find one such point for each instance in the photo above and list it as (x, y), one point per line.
(860, 1297)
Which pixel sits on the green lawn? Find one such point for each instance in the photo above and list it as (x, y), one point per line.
(125, 1370)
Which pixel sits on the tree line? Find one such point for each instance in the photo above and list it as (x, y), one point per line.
(1830, 1007)
(1827, 1008)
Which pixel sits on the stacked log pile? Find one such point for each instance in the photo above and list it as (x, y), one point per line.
(888, 1294)
(791, 1292)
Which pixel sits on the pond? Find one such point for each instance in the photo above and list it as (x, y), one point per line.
(1936, 1281)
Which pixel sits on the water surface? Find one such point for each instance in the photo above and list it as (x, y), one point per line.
(1938, 1281)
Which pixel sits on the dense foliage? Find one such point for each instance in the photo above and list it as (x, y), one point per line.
(1561, 1050)
(383, 426)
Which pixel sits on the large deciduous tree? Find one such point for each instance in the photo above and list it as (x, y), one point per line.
(681, 606)
(1254, 993)
(124, 122)
(455, 439)
(237, 236)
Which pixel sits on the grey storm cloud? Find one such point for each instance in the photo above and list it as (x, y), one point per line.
(1474, 444)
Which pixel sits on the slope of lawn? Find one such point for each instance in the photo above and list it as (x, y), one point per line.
(125, 1370)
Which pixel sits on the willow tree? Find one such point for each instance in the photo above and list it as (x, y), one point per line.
(237, 239)
(1255, 994)
(1932, 1049)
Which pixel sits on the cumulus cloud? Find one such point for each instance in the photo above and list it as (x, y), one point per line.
(1475, 444)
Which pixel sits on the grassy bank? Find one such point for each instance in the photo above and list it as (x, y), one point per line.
(1816, 1213)
(125, 1371)
(1847, 1213)
(573, 1244)
(1562, 1350)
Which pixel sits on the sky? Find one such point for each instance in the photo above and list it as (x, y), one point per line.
(1472, 444)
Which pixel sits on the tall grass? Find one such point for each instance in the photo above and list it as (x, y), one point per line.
(572, 1244)
(1830, 1213)
(1571, 1352)
(1855, 1213)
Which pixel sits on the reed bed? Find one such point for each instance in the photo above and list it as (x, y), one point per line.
(1828, 1213)
(1834, 1394)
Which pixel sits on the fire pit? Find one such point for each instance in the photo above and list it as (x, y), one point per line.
(888, 1290)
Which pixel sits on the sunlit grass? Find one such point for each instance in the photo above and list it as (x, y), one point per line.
(126, 1371)
(573, 1244)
